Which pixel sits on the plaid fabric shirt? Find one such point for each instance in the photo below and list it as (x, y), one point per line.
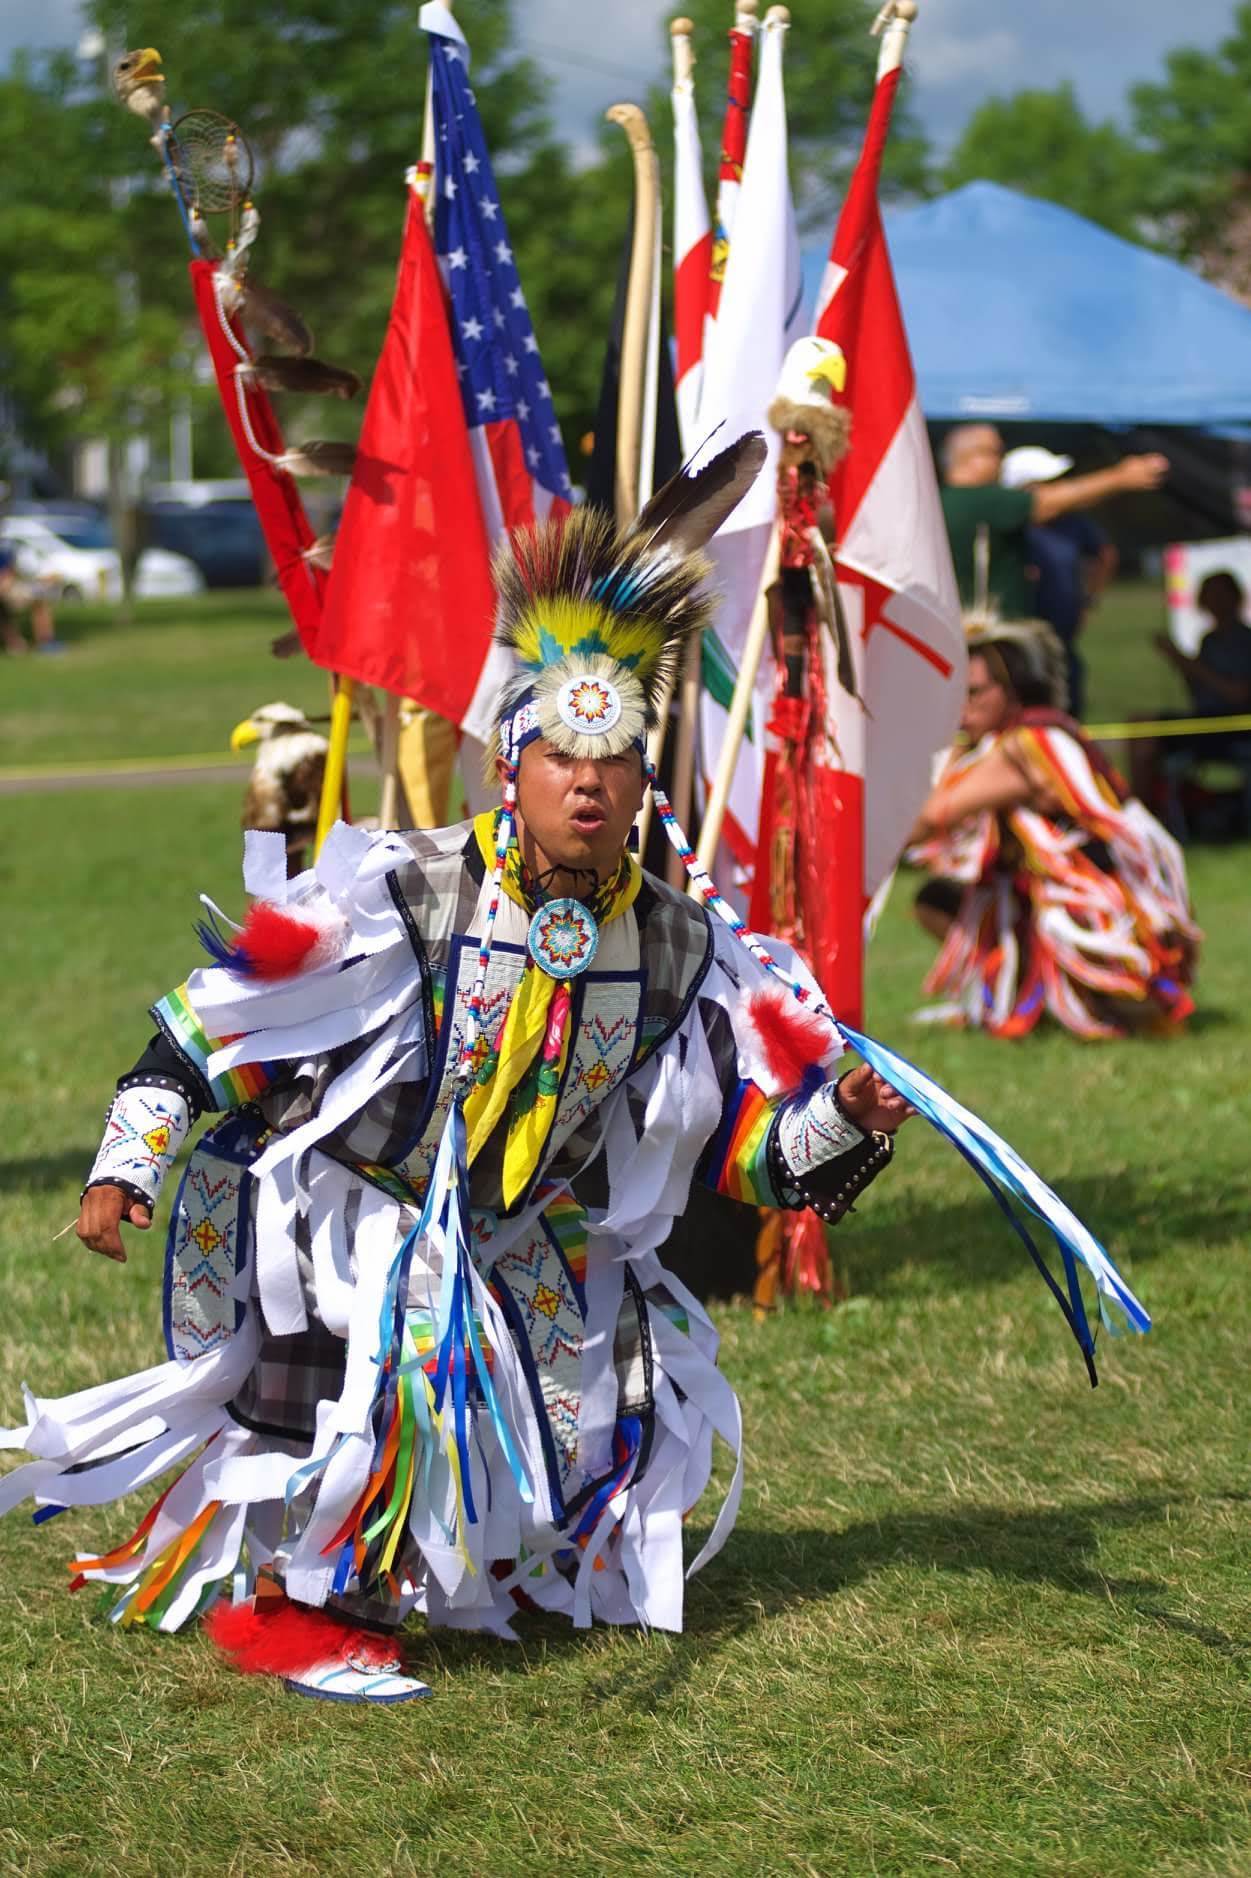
(648, 972)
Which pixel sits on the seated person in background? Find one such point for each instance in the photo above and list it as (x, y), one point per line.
(19, 596)
(1053, 890)
(974, 501)
(1071, 558)
(1218, 679)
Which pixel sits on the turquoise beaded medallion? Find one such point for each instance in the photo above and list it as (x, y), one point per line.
(563, 938)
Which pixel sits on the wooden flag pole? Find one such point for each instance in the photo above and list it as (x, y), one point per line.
(682, 68)
(637, 309)
(680, 31)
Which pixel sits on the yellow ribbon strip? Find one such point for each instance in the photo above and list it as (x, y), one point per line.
(522, 1038)
(1166, 727)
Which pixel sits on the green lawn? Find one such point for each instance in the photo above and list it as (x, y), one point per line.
(975, 1617)
(176, 681)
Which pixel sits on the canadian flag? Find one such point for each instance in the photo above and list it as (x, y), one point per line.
(894, 565)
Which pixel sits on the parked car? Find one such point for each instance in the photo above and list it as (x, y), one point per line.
(71, 554)
(215, 524)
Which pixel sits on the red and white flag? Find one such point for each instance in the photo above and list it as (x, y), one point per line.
(700, 253)
(894, 565)
(733, 151)
(692, 260)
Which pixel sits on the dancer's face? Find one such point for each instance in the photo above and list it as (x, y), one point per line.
(575, 812)
(986, 703)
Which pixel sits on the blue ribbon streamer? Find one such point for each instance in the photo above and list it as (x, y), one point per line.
(1008, 1178)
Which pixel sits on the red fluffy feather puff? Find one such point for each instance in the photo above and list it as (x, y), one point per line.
(276, 944)
(278, 1638)
(792, 1040)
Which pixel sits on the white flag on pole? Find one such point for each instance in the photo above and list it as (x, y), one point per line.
(760, 313)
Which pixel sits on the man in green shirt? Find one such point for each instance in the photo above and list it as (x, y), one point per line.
(973, 500)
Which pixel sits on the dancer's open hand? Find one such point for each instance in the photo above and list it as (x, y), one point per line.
(100, 1218)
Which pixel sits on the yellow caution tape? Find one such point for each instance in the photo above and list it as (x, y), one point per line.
(1165, 727)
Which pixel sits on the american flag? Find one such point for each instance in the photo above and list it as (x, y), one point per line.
(520, 461)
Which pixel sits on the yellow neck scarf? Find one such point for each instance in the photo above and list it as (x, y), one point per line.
(521, 1068)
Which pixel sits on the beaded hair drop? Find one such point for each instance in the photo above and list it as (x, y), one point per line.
(473, 1016)
(708, 891)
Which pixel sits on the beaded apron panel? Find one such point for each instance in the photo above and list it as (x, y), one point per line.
(208, 1239)
(605, 1018)
(539, 1286)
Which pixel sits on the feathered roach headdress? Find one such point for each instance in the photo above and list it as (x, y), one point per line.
(597, 617)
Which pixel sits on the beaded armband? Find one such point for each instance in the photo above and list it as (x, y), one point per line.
(819, 1158)
(146, 1125)
(815, 1130)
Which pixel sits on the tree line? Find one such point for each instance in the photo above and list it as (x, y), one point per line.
(95, 335)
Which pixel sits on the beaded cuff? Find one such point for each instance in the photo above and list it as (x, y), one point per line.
(820, 1158)
(815, 1130)
(854, 1171)
(146, 1125)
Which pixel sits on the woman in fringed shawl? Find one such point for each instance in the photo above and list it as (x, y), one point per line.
(1054, 890)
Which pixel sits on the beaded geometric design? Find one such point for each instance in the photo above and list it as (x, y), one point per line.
(206, 1247)
(603, 1045)
(815, 1131)
(588, 703)
(548, 1314)
(144, 1131)
(503, 977)
(563, 938)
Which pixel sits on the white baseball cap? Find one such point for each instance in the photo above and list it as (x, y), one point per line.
(1032, 464)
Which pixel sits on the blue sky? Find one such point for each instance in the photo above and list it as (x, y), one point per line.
(963, 50)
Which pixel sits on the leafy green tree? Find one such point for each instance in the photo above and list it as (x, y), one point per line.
(1042, 143)
(1197, 125)
(83, 352)
(331, 104)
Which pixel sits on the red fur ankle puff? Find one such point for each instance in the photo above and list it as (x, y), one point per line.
(279, 1638)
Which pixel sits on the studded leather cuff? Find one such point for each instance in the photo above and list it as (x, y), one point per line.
(145, 1127)
(831, 1190)
(820, 1158)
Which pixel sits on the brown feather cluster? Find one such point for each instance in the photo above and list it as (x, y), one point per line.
(827, 427)
(647, 581)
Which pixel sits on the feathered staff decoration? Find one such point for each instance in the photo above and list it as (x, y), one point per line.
(209, 168)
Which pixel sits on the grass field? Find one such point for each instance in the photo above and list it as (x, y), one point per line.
(974, 1618)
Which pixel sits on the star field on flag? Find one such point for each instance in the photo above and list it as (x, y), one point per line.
(497, 354)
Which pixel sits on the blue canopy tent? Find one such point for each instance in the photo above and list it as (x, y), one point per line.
(1021, 311)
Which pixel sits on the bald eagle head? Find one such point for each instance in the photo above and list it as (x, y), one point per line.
(284, 788)
(139, 82)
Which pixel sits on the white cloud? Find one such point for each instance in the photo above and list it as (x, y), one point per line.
(945, 59)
